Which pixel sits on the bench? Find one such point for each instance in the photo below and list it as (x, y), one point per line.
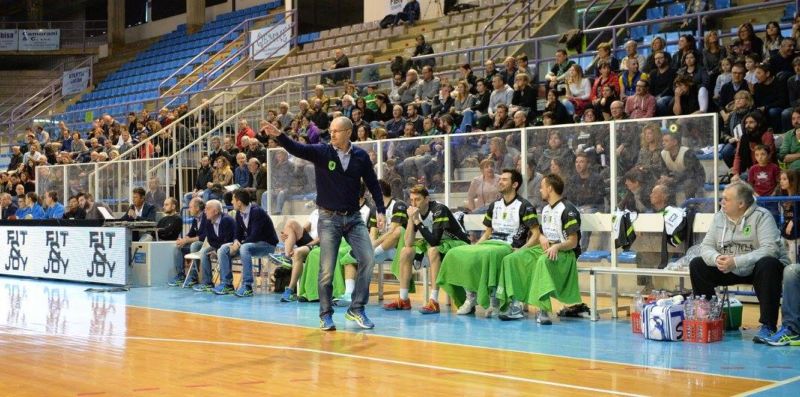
(614, 272)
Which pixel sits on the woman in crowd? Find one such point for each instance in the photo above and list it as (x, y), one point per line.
(483, 188)
(222, 176)
(732, 117)
(713, 53)
(773, 38)
(692, 69)
(747, 42)
(579, 91)
(603, 56)
(689, 97)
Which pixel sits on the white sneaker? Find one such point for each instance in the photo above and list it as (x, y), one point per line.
(543, 318)
(467, 308)
(491, 311)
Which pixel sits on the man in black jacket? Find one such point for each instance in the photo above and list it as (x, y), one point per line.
(204, 176)
(170, 225)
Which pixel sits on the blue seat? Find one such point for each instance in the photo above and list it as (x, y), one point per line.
(594, 256)
(654, 13)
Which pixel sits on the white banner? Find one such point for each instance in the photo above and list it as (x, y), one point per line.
(271, 42)
(394, 6)
(75, 81)
(39, 39)
(8, 39)
(84, 254)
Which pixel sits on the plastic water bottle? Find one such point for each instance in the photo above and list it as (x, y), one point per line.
(638, 302)
(688, 308)
(701, 310)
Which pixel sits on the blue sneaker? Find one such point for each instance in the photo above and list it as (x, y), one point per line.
(281, 260)
(222, 289)
(326, 323)
(202, 287)
(784, 337)
(763, 334)
(244, 291)
(360, 317)
(177, 281)
(288, 295)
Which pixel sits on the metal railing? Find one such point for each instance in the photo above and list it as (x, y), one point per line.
(244, 52)
(308, 80)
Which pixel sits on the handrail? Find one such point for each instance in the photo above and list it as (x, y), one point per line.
(192, 112)
(612, 21)
(526, 9)
(601, 13)
(59, 67)
(494, 18)
(471, 50)
(207, 49)
(244, 49)
(51, 89)
(293, 26)
(224, 123)
(188, 75)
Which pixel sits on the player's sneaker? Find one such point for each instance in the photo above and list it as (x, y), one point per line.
(468, 307)
(243, 291)
(177, 281)
(784, 337)
(432, 307)
(326, 323)
(543, 318)
(514, 313)
(398, 304)
(222, 289)
(203, 287)
(360, 317)
(288, 295)
(281, 260)
(763, 333)
(491, 311)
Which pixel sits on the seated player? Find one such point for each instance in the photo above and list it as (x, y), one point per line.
(550, 270)
(390, 239)
(511, 223)
(440, 232)
(298, 241)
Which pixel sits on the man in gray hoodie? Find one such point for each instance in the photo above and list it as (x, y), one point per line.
(742, 246)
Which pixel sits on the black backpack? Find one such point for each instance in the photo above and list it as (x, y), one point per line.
(280, 279)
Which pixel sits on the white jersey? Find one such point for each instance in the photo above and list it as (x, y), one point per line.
(395, 213)
(511, 222)
(559, 221)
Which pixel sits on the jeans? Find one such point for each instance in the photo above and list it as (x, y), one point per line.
(662, 106)
(278, 197)
(786, 120)
(791, 297)
(205, 264)
(766, 280)
(467, 120)
(332, 228)
(208, 194)
(774, 119)
(569, 105)
(728, 154)
(187, 198)
(585, 236)
(179, 261)
(247, 251)
(426, 108)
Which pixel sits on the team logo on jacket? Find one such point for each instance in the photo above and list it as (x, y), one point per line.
(746, 231)
(331, 165)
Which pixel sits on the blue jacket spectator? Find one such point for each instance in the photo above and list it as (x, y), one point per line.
(32, 210)
(55, 211)
(226, 229)
(259, 227)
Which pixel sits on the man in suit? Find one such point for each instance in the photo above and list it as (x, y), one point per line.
(140, 210)
(218, 228)
(255, 236)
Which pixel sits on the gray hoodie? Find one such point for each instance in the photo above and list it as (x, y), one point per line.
(755, 236)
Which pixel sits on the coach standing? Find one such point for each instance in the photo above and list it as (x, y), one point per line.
(340, 168)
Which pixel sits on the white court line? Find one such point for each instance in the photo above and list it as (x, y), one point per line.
(646, 367)
(344, 355)
(769, 387)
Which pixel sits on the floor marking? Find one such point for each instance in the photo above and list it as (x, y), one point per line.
(350, 356)
(459, 344)
(769, 387)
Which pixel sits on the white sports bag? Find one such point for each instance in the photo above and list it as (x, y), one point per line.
(662, 322)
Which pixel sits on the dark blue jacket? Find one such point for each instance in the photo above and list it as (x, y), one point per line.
(259, 227)
(10, 211)
(227, 230)
(194, 230)
(148, 213)
(337, 189)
